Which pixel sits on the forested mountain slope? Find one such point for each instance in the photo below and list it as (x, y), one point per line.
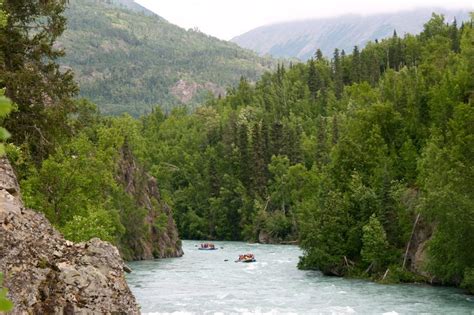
(127, 59)
(301, 38)
(82, 170)
(348, 155)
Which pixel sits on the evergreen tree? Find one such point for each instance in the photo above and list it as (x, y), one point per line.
(355, 65)
(375, 245)
(244, 157)
(32, 76)
(335, 130)
(258, 161)
(454, 34)
(313, 78)
(346, 69)
(337, 74)
(321, 144)
(319, 55)
(277, 139)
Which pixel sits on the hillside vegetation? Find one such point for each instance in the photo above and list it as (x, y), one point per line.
(347, 156)
(129, 60)
(80, 169)
(342, 154)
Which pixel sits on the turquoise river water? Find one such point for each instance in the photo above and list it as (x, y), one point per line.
(210, 282)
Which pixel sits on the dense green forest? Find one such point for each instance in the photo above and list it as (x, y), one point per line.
(74, 165)
(340, 154)
(128, 61)
(343, 155)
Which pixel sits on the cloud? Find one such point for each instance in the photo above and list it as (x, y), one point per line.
(226, 19)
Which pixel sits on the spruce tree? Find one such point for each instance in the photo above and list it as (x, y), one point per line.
(337, 74)
(319, 55)
(313, 80)
(258, 158)
(32, 75)
(244, 161)
(355, 66)
(455, 37)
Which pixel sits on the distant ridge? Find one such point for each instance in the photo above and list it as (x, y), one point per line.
(131, 5)
(129, 59)
(300, 39)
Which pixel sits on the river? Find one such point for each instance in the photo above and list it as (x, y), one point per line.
(210, 282)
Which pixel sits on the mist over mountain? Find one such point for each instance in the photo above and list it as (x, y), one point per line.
(129, 59)
(300, 39)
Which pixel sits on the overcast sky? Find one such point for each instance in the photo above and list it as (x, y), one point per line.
(226, 19)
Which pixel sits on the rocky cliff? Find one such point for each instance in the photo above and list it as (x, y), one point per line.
(161, 239)
(418, 249)
(46, 274)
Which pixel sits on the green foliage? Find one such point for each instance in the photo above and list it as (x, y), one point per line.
(374, 243)
(446, 173)
(34, 81)
(161, 222)
(339, 154)
(5, 107)
(278, 225)
(3, 15)
(5, 304)
(83, 171)
(468, 281)
(324, 227)
(168, 61)
(397, 274)
(96, 223)
(77, 186)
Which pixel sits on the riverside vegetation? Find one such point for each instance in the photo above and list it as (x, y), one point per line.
(342, 154)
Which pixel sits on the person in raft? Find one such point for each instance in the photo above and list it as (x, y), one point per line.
(246, 256)
(207, 245)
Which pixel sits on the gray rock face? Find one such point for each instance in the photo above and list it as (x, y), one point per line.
(45, 273)
(162, 242)
(418, 251)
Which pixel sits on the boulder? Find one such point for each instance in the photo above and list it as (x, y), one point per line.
(46, 274)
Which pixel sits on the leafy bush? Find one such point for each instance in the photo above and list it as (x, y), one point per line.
(5, 108)
(5, 304)
(468, 281)
(375, 245)
(96, 223)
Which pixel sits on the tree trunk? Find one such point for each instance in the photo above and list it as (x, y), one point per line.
(409, 242)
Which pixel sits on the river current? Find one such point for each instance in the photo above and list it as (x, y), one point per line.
(210, 282)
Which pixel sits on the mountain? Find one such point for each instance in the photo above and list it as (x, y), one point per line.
(301, 39)
(128, 59)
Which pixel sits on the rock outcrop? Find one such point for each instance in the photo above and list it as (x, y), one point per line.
(186, 91)
(46, 274)
(162, 239)
(418, 250)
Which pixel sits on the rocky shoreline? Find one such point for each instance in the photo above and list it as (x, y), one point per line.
(46, 274)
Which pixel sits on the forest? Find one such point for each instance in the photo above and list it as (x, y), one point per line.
(343, 155)
(128, 61)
